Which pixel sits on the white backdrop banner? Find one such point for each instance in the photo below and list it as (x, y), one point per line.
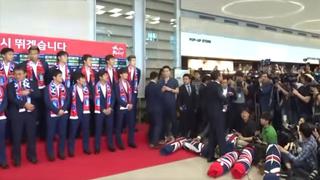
(200, 45)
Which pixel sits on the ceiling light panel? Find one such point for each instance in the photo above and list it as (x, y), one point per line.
(115, 10)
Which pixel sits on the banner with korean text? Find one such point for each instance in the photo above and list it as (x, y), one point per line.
(76, 48)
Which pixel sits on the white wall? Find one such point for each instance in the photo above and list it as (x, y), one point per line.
(200, 45)
(54, 18)
(199, 26)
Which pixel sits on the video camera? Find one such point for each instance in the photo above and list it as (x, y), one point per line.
(290, 78)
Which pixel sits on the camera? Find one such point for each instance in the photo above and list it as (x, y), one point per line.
(290, 78)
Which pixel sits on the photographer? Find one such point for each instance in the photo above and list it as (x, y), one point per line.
(265, 94)
(241, 90)
(316, 109)
(302, 96)
(306, 160)
(248, 129)
(252, 80)
(282, 99)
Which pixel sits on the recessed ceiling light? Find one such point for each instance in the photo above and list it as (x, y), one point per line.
(115, 15)
(129, 17)
(100, 12)
(115, 10)
(130, 13)
(99, 7)
(154, 22)
(224, 9)
(172, 20)
(156, 18)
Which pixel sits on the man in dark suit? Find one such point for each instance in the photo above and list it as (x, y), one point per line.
(111, 70)
(229, 93)
(62, 65)
(134, 74)
(202, 122)
(79, 114)
(214, 107)
(169, 88)
(187, 105)
(22, 94)
(153, 97)
(124, 110)
(88, 72)
(38, 71)
(114, 77)
(104, 99)
(90, 78)
(3, 122)
(57, 101)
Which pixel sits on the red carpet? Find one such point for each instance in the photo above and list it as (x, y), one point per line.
(91, 166)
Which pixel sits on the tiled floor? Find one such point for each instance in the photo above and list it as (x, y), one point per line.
(193, 168)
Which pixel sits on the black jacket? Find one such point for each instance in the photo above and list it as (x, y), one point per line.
(215, 99)
(186, 101)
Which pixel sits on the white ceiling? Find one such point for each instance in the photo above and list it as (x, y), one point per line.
(302, 15)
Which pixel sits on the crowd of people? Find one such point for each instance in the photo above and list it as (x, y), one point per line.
(60, 103)
(267, 106)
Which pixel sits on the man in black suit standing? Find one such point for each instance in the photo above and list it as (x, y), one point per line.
(214, 107)
(134, 75)
(37, 70)
(187, 106)
(22, 95)
(229, 93)
(153, 96)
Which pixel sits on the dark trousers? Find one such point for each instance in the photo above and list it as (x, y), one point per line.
(19, 122)
(134, 110)
(217, 136)
(3, 141)
(170, 118)
(234, 120)
(41, 115)
(92, 118)
(57, 125)
(125, 115)
(155, 126)
(135, 106)
(187, 123)
(84, 122)
(106, 122)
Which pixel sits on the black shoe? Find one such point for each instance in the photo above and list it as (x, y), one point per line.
(71, 154)
(4, 165)
(16, 163)
(61, 156)
(97, 151)
(211, 159)
(111, 149)
(121, 146)
(133, 145)
(154, 146)
(51, 158)
(33, 160)
(87, 152)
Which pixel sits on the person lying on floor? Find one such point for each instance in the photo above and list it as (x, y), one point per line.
(306, 161)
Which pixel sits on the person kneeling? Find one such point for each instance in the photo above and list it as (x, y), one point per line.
(306, 161)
